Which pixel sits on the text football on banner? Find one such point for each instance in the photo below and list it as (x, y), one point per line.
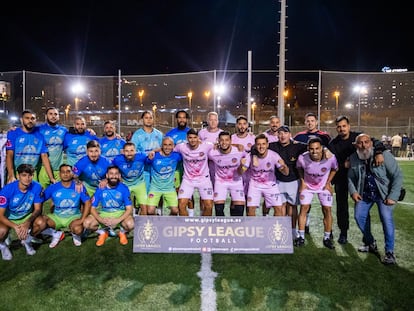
(232, 235)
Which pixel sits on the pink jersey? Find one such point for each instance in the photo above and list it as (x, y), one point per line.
(316, 173)
(226, 165)
(211, 137)
(271, 137)
(263, 170)
(195, 161)
(247, 141)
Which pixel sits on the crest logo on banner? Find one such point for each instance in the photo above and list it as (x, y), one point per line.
(233, 235)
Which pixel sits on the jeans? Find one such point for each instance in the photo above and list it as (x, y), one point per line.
(363, 221)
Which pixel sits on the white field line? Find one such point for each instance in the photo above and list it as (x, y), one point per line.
(207, 276)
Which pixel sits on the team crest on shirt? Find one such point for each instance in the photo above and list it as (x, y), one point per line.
(3, 200)
(323, 169)
(201, 154)
(234, 160)
(268, 164)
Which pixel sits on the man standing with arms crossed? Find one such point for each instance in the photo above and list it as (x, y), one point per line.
(54, 135)
(26, 145)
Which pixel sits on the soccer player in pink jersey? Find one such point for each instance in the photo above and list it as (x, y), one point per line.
(316, 173)
(230, 163)
(263, 181)
(271, 133)
(243, 137)
(196, 174)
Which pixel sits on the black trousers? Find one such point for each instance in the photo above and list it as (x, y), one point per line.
(342, 206)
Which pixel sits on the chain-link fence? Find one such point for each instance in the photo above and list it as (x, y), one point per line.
(382, 105)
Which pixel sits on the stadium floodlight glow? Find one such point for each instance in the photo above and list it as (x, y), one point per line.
(78, 88)
(360, 90)
(219, 90)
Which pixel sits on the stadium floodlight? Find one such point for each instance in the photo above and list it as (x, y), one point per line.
(360, 90)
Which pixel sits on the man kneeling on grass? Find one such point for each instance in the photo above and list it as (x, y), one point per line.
(69, 207)
(21, 210)
(115, 205)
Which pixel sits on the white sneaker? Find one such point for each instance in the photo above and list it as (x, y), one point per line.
(7, 241)
(56, 238)
(112, 232)
(6, 253)
(77, 241)
(29, 249)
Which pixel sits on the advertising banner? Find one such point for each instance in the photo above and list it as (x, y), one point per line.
(227, 235)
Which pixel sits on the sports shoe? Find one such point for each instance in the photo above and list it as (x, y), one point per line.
(56, 238)
(77, 241)
(300, 242)
(6, 253)
(389, 259)
(342, 239)
(372, 248)
(307, 230)
(7, 241)
(29, 249)
(102, 238)
(328, 243)
(36, 240)
(111, 232)
(123, 240)
(85, 234)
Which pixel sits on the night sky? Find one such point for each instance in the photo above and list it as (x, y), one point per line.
(150, 37)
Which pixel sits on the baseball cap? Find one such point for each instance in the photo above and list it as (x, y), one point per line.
(284, 128)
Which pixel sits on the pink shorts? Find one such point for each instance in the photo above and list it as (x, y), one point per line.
(325, 197)
(235, 188)
(204, 186)
(270, 193)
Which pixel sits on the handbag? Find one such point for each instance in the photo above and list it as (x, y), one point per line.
(402, 194)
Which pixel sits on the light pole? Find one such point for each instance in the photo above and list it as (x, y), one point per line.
(336, 94)
(140, 94)
(218, 91)
(154, 112)
(218, 105)
(253, 116)
(360, 90)
(190, 96)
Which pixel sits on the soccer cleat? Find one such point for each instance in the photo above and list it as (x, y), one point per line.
(8, 241)
(56, 238)
(111, 232)
(29, 249)
(123, 240)
(389, 259)
(77, 241)
(328, 243)
(6, 253)
(300, 242)
(102, 238)
(307, 230)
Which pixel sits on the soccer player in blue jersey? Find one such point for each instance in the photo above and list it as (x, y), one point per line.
(163, 166)
(74, 144)
(21, 210)
(147, 139)
(179, 135)
(111, 144)
(115, 209)
(91, 169)
(131, 165)
(69, 207)
(54, 135)
(26, 145)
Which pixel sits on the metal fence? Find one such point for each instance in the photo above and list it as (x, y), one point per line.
(382, 105)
